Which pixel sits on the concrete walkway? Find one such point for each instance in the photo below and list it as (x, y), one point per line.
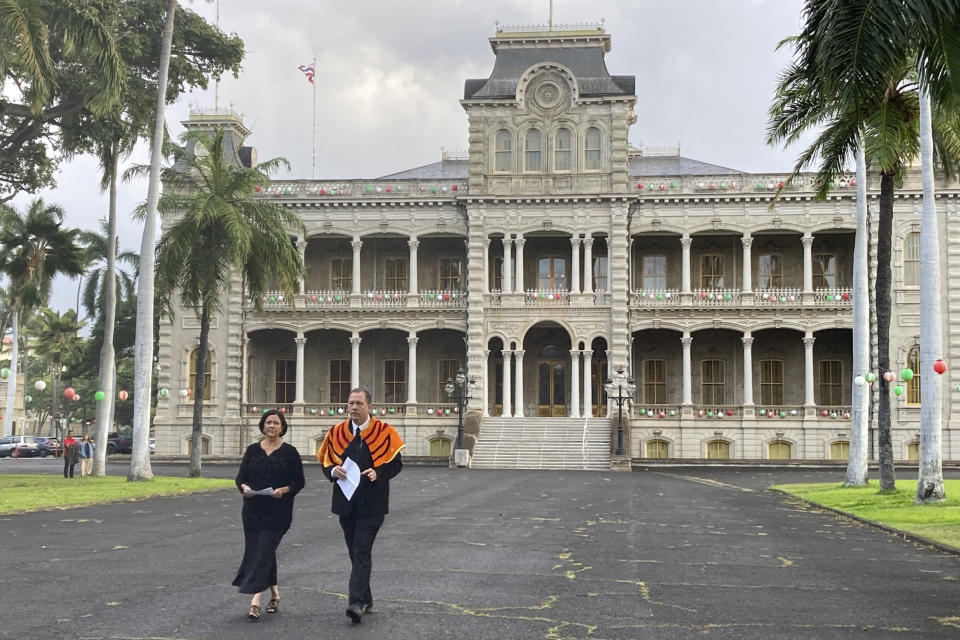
(667, 553)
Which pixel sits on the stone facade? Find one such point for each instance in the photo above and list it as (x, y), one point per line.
(550, 256)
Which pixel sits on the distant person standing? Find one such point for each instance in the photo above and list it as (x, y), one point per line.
(71, 454)
(85, 449)
(374, 447)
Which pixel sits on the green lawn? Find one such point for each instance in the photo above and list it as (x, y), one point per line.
(32, 492)
(940, 522)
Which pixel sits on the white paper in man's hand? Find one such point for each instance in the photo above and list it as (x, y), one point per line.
(349, 484)
(260, 492)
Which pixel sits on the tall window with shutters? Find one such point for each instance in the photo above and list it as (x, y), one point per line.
(394, 381)
(911, 260)
(712, 382)
(913, 385)
(831, 382)
(654, 381)
(339, 381)
(208, 379)
(771, 382)
(285, 381)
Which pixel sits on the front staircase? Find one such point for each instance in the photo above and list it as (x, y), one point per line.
(543, 443)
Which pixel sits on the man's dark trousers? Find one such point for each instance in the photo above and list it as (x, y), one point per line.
(359, 534)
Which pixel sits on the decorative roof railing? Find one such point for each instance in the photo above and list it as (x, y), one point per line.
(548, 28)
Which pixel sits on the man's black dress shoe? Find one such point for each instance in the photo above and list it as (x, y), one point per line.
(355, 613)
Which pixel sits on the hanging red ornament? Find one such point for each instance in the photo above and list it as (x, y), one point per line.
(68, 393)
(940, 366)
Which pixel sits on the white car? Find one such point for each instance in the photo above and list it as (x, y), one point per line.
(19, 447)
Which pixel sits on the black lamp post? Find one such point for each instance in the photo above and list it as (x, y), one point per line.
(457, 390)
(620, 383)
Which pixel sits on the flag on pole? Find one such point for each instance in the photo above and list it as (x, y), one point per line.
(307, 71)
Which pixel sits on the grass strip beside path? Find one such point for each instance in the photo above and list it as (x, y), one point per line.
(939, 522)
(20, 493)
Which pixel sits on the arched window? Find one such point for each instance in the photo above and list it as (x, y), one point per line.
(718, 450)
(562, 151)
(192, 379)
(913, 386)
(911, 260)
(591, 150)
(658, 449)
(779, 450)
(503, 151)
(531, 151)
(840, 450)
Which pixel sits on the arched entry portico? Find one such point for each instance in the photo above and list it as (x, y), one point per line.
(548, 384)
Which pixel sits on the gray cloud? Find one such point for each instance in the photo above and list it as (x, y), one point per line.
(390, 75)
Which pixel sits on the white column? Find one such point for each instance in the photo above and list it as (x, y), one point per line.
(574, 383)
(807, 241)
(414, 244)
(301, 341)
(609, 263)
(587, 384)
(486, 264)
(484, 380)
(518, 404)
(588, 264)
(575, 264)
(356, 244)
(507, 271)
(747, 241)
(246, 370)
(747, 368)
(355, 341)
(412, 340)
(507, 387)
(302, 249)
(686, 341)
(808, 341)
(518, 281)
(685, 243)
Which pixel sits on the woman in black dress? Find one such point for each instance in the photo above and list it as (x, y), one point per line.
(273, 464)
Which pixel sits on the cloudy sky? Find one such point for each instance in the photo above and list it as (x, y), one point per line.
(390, 75)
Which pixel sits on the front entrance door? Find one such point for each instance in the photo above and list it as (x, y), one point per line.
(598, 373)
(551, 388)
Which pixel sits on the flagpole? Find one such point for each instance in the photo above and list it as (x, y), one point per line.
(313, 81)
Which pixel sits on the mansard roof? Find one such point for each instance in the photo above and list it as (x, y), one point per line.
(640, 166)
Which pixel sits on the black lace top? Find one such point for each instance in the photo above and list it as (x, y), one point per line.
(282, 468)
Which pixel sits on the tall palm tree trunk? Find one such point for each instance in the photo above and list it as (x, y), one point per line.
(12, 380)
(857, 464)
(930, 483)
(888, 478)
(107, 377)
(143, 360)
(199, 386)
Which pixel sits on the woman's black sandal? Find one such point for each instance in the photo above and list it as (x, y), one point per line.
(254, 614)
(274, 605)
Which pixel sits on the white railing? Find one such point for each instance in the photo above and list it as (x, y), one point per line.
(836, 295)
(442, 298)
(778, 296)
(655, 298)
(546, 297)
(379, 298)
(326, 299)
(716, 297)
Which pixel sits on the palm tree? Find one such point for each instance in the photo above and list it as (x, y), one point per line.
(222, 229)
(847, 82)
(100, 298)
(57, 342)
(143, 360)
(34, 247)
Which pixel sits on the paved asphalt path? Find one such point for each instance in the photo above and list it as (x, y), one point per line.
(683, 552)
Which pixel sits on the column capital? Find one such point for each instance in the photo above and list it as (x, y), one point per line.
(301, 245)
(356, 341)
(686, 341)
(520, 241)
(588, 353)
(519, 352)
(806, 240)
(413, 340)
(808, 342)
(575, 353)
(356, 243)
(576, 241)
(686, 241)
(413, 242)
(747, 340)
(746, 240)
(300, 340)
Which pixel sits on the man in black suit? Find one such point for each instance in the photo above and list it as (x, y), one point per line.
(374, 446)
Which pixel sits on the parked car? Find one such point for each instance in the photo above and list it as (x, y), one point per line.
(119, 444)
(49, 446)
(153, 444)
(19, 447)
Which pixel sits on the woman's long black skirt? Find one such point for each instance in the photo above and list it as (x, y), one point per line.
(258, 570)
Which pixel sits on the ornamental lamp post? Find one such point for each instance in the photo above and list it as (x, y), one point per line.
(457, 390)
(625, 388)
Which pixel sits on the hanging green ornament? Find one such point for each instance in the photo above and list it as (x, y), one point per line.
(906, 375)
(898, 390)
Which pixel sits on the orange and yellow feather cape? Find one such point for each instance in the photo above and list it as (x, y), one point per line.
(383, 441)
